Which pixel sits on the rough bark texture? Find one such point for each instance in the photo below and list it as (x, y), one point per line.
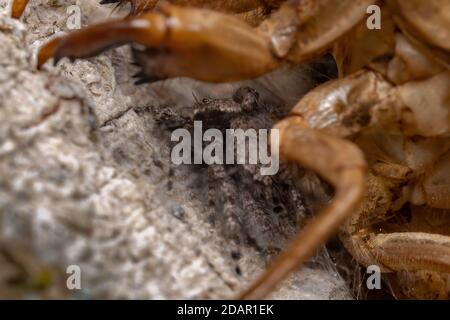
(85, 180)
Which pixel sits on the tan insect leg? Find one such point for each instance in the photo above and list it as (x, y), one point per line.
(137, 6)
(412, 251)
(201, 44)
(342, 164)
(18, 8)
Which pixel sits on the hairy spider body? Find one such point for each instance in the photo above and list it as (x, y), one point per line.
(379, 134)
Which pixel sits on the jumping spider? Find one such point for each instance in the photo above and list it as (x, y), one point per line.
(262, 211)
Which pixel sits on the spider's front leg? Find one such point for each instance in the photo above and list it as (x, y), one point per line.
(176, 42)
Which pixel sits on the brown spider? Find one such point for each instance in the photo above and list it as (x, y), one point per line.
(379, 135)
